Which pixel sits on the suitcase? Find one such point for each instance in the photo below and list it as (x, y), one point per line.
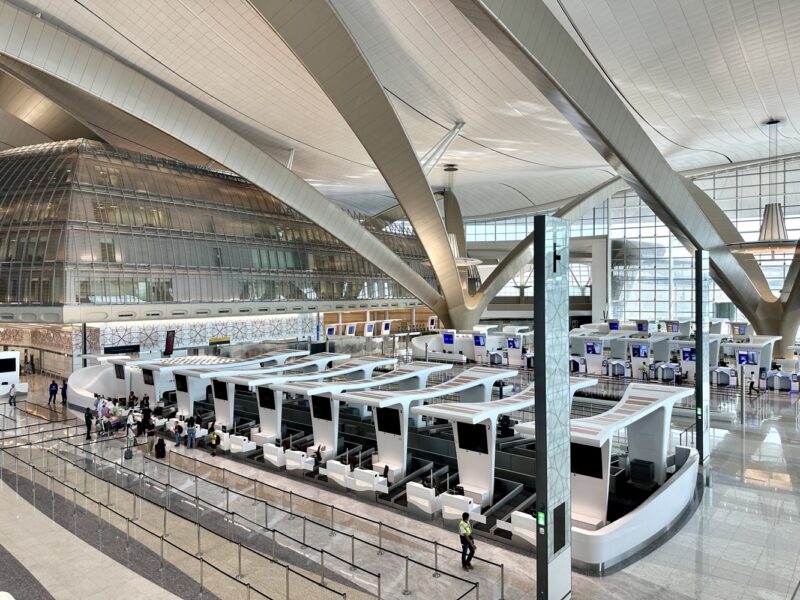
(128, 454)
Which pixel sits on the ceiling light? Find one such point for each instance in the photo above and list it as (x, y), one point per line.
(772, 236)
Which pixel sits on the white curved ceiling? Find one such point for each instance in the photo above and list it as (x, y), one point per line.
(701, 75)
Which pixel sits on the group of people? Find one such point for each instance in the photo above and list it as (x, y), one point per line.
(53, 389)
(191, 432)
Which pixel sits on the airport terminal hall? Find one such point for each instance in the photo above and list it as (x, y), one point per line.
(387, 299)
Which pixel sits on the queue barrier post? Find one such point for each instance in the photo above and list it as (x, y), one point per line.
(406, 591)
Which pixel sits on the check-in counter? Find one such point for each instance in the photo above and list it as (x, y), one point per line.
(422, 501)
(274, 455)
(240, 443)
(297, 460)
(365, 480)
(338, 473)
(454, 506)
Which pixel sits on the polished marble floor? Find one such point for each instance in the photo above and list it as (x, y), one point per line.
(743, 542)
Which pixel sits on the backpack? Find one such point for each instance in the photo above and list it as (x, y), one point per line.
(178, 429)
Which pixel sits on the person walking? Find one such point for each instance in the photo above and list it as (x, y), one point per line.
(214, 442)
(150, 429)
(12, 395)
(178, 434)
(53, 391)
(645, 369)
(752, 383)
(87, 416)
(64, 392)
(467, 542)
(190, 432)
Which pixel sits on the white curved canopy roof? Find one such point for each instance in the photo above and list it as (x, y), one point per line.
(700, 76)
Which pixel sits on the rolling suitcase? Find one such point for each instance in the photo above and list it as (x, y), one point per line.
(128, 453)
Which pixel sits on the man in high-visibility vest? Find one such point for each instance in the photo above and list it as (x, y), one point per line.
(467, 542)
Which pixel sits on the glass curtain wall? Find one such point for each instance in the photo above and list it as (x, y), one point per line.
(651, 272)
(85, 223)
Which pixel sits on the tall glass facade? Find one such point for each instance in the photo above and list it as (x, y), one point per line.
(651, 272)
(83, 223)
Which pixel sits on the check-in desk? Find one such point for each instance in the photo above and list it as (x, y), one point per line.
(779, 381)
(422, 501)
(297, 460)
(454, 506)
(618, 367)
(240, 443)
(724, 376)
(274, 455)
(667, 371)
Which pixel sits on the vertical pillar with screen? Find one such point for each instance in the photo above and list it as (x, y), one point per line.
(553, 399)
(702, 391)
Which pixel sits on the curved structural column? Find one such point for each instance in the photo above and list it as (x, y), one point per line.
(320, 40)
(530, 36)
(42, 45)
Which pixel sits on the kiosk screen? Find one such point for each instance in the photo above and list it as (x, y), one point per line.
(641, 326)
(351, 330)
(472, 437)
(181, 384)
(322, 408)
(369, 328)
(447, 339)
(147, 375)
(742, 356)
(329, 331)
(480, 341)
(220, 390)
(586, 460)
(266, 398)
(388, 420)
(119, 371)
(613, 325)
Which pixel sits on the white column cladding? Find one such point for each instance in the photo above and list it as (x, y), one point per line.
(702, 391)
(601, 278)
(553, 402)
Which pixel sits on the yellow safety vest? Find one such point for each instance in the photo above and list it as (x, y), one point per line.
(466, 527)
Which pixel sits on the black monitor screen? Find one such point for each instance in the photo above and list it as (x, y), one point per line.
(688, 354)
(266, 398)
(8, 365)
(586, 460)
(330, 331)
(388, 420)
(387, 327)
(220, 390)
(742, 356)
(351, 330)
(635, 351)
(147, 375)
(181, 383)
(641, 327)
(119, 371)
(322, 408)
(613, 325)
(473, 437)
(447, 339)
(169, 343)
(643, 350)
(480, 340)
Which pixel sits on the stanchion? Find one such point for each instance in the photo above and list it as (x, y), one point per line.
(199, 547)
(291, 507)
(379, 586)
(322, 563)
(161, 568)
(380, 537)
(239, 550)
(502, 582)
(202, 564)
(406, 591)
(304, 532)
(352, 552)
(273, 544)
(255, 492)
(436, 573)
(164, 533)
(333, 532)
(287, 582)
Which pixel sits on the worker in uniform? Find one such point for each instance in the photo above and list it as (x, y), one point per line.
(467, 542)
